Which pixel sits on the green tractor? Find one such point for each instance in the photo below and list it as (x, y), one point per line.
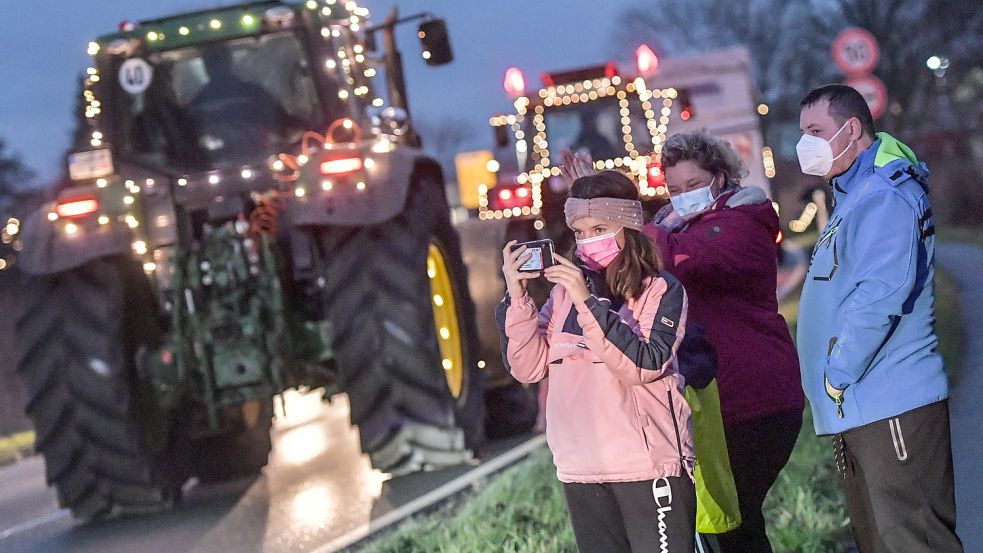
(249, 216)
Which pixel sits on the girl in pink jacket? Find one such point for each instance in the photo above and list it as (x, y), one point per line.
(617, 422)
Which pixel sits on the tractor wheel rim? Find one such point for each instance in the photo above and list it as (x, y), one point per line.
(446, 322)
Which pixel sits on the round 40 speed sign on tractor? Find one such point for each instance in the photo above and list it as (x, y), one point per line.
(855, 51)
(873, 90)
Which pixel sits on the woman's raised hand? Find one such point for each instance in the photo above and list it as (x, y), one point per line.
(575, 165)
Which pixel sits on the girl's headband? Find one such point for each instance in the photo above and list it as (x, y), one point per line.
(626, 213)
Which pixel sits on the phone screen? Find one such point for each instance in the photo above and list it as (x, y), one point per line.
(535, 262)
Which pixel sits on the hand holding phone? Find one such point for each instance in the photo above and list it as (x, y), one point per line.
(523, 262)
(540, 255)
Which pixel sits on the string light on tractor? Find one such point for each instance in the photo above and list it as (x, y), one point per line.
(642, 161)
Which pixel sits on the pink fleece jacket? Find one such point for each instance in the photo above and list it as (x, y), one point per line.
(616, 410)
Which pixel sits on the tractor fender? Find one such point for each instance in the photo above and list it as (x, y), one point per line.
(49, 249)
(383, 197)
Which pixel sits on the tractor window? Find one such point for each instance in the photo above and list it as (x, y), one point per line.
(221, 105)
(593, 127)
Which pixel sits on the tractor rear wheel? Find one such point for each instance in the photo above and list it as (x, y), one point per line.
(404, 336)
(104, 439)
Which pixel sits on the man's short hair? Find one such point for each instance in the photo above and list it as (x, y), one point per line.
(844, 102)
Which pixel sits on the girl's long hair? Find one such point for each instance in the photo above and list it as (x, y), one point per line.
(640, 258)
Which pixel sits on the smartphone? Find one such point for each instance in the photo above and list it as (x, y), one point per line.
(541, 252)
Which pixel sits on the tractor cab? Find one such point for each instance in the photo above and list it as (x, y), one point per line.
(204, 117)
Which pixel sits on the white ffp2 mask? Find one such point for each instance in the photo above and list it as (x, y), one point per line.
(816, 155)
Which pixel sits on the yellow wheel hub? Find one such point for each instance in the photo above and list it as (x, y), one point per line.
(445, 320)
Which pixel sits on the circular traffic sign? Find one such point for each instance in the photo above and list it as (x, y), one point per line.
(873, 91)
(135, 75)
(855, 51)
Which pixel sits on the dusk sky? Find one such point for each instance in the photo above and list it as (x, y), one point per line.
(42, 52)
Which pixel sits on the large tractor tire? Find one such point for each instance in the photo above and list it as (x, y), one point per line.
(513, 407)
(105, 442)
(243, 449)
(403, 334)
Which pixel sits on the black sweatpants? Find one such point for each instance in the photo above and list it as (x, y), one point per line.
(651, 516)
(758, 450)
(898, 483)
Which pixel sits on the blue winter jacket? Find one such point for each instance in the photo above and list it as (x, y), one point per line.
(866, 317)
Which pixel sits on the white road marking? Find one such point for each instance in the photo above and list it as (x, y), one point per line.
(34, 523)
(443, 492)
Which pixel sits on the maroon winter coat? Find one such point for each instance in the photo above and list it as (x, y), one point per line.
(726, 260)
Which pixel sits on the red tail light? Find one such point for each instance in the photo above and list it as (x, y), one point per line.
(505, 195)
(342, 166)
(77, 207)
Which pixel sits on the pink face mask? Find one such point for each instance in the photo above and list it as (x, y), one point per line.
(598, 252)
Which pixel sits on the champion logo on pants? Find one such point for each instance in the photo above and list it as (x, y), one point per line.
(662, 492)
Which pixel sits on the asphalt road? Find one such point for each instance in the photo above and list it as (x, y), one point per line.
(318, 488)
(965, 263)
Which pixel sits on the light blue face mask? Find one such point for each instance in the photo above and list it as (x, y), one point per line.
(693, 201)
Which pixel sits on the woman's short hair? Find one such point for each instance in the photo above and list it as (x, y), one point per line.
(712, 154)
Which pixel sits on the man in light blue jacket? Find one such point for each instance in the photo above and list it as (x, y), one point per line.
(866, 331)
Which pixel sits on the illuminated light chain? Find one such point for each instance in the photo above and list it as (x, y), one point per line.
(768, 159)
(805, 219)
(582, 92)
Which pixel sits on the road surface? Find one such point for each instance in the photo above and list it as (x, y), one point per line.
(965, 263)
(317, 489)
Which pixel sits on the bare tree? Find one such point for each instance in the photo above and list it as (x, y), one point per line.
(445, 138)
(14, 175)
(790, 45)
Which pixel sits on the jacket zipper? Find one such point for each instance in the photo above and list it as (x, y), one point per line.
(675, 426)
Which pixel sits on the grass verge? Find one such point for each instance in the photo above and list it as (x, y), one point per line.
(521, 510)
(949, 324)
(16, 447)
(804, 510)
(948, 233)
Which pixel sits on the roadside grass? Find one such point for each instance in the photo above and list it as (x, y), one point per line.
(804, 510)
(520, 511)
(16, 447)
(949, 324)
(949, 233)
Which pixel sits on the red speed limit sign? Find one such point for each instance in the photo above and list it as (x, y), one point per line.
(855, 51)
(873, 91)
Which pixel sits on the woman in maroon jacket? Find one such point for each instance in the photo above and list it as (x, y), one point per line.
(718, 239)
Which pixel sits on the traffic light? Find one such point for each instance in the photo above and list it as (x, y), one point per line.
(435, 42)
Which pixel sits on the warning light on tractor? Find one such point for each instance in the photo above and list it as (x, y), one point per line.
(515, 83)
(77, 207)
(647, 61)
(342, 166)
